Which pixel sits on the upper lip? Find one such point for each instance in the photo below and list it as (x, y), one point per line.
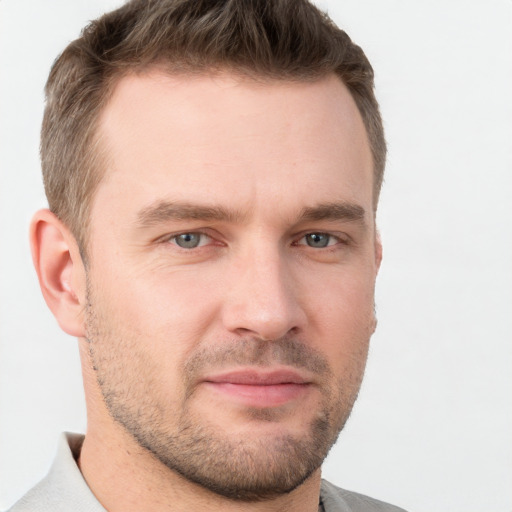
(259, 377)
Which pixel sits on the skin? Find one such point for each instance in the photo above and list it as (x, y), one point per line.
(260, 175)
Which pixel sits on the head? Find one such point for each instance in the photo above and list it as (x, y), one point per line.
(213, 169)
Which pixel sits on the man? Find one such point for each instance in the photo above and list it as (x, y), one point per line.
(213, 172)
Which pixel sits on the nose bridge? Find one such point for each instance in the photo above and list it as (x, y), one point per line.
(263, 301)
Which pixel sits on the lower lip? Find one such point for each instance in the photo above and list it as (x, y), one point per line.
(260, 396)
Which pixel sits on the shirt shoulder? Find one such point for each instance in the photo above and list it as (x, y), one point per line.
(335, 499)
(44, 497)
(63, 489)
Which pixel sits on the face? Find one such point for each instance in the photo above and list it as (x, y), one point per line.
(232, 261)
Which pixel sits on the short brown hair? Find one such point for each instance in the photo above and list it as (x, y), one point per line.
(276, 39)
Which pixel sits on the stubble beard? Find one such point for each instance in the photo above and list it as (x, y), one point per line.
(245, 468)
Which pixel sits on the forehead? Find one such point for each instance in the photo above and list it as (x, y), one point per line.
(225, 138)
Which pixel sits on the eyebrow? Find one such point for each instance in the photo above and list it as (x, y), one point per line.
(165, 211)
(343, 211)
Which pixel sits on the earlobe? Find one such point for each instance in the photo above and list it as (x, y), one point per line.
(60, 270)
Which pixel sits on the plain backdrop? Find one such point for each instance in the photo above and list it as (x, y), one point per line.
(432, 430)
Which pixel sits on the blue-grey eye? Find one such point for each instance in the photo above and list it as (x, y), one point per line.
(318, 240)
(188, 240)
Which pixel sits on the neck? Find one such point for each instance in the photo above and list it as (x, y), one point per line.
(125, 477)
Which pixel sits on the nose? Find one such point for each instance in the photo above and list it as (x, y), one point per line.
(263, 298)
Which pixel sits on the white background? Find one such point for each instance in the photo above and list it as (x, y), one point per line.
(432, 430)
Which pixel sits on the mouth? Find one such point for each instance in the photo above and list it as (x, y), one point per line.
(259, 388)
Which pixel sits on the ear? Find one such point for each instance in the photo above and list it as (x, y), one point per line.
(378, 260)
(60, 270)
(378, 251)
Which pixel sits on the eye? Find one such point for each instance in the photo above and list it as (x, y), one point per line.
(318, 240)
(189, 240)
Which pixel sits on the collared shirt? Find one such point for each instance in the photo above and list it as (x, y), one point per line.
(65, 490)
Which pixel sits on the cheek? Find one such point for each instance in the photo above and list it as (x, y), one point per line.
(173, 309)
(345, 301)
(343, 318)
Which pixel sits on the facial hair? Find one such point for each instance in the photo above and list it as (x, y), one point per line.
(244, 468)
